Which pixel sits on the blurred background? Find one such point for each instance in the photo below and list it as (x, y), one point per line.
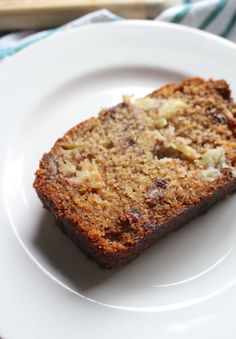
(39, 14)
(23, 22)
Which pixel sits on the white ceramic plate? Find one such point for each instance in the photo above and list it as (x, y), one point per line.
(182, 287)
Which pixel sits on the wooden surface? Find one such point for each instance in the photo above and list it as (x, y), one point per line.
(38, 14)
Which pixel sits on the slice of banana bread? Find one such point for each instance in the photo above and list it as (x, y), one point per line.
(117, 183)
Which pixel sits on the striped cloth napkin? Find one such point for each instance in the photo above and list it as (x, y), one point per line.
(215, 16)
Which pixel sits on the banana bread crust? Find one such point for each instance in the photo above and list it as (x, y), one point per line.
(117, 259)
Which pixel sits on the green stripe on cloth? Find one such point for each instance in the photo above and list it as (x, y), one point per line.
(229, 27)
(211, 17)
(12, 50)
(182, 14)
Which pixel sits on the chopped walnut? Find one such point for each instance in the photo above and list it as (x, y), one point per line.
(90, 173)
(127, 99)
(188, 152)
(174, 146)
(170, 107)
(66, 168)
(146, 103)
(162, 122)
(211, 173)
(158, 135)
(214, 158)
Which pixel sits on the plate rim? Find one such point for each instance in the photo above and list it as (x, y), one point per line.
(131, 22)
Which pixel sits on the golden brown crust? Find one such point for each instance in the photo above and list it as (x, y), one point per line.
(119, 182)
